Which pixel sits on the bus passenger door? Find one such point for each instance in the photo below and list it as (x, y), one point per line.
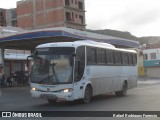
(79, 72)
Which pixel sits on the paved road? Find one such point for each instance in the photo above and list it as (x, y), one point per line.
(146, 97)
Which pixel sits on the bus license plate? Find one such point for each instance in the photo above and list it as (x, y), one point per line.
(48, 96)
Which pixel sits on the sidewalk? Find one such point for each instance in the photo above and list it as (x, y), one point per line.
(148, 80)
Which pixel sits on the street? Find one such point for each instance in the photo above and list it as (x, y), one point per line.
(145, 97)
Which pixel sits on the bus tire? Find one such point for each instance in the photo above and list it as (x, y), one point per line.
(87, 94)
(122, 92)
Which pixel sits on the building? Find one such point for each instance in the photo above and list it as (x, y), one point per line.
(8, 17)
(2, 17)
(15, 61)
(35, 14)
(152, 61)
(11, 17)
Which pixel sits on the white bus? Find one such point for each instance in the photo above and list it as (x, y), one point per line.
(67, 71)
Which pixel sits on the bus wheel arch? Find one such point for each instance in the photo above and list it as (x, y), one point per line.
(88, 93)
(123, 92)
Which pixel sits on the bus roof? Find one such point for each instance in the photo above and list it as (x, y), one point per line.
(83, 43)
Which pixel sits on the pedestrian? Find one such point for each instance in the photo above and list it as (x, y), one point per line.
(0, 80)
(3, 82)
(9, 81)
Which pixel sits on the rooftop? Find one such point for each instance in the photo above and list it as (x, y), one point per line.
(28, 40)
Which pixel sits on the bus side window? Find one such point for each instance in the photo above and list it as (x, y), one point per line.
(134, 59)
(109, 57)
(118, 57)
(89, 60)
(101, 56)
(91, 55)
(130, 56)
(80, 63)
(125, 59)
(94, 55)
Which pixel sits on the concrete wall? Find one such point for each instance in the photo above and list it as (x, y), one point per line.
(153, 72)
(35, 14)
(25, 14)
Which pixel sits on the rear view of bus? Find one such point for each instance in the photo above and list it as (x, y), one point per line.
(67, 71)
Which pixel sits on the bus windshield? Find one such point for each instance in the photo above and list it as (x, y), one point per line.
(52, 66)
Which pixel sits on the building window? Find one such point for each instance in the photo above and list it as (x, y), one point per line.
(80, 5)
(72, 16)
(1, 14)
(13, 14)
(76, 2)
(67, 2)
(68, 16)
(153, 55)
(81, 18)
(14, 23)
(145, 57)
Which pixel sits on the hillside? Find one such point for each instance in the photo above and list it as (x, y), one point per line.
(150, 40)
(128, 35)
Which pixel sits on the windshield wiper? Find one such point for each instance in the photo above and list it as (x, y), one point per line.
(54, 76)
(41, 81)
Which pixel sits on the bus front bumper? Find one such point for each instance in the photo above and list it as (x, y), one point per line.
(68, 96)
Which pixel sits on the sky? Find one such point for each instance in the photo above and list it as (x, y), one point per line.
(139, 17)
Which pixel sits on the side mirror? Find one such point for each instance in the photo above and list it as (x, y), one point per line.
(35, 53)
(28, 60)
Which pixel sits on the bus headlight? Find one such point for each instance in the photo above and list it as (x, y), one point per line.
(67, 90)
(34, 89)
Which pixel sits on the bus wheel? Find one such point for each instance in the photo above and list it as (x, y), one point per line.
(87, 95)
(122, 92)
(51, 101)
